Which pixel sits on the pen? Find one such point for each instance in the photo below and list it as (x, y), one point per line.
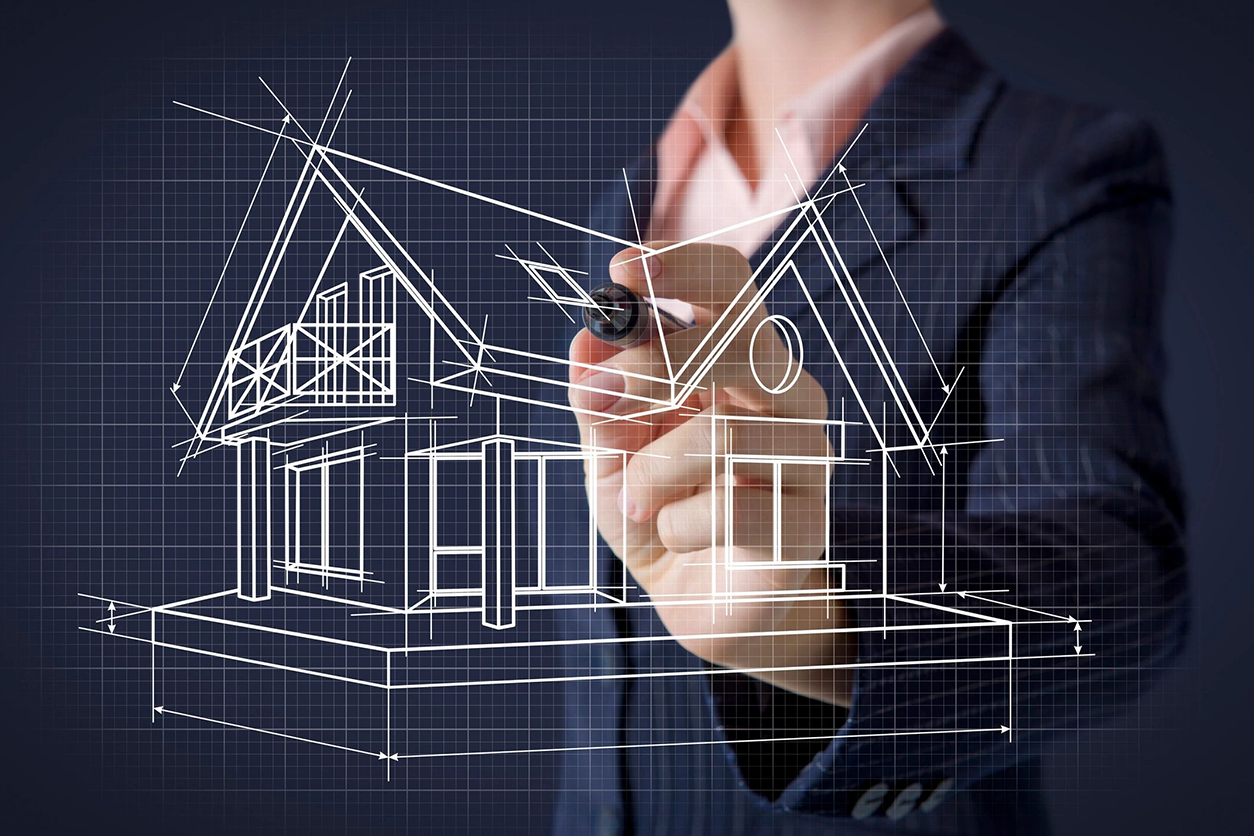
(621, 317)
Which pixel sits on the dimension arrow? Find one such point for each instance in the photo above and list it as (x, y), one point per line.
(162, 710)
(174, 390)
(179, 380)
(943, 457)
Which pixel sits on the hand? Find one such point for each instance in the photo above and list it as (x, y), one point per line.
(664, 513)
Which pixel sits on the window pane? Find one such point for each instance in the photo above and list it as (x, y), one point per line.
(566, 534)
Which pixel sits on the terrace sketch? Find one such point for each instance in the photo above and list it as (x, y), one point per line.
(394, 525)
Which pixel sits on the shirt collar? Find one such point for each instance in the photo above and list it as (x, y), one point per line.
(822, 117)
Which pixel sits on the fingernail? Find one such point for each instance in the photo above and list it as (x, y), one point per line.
(611, 386)
(625, 503)
(634, 266)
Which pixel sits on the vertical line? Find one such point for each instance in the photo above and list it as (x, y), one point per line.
(626, 546)
(239, 519)
(542, 522)
(594, 503)
(483, 531)
(513, 534)
(842, 427)
(431, 351)
(325, 521)
(433, 528)
(296, 522)
(405, 527)
(884, 518)
(1010, 652)
(361, 519)
(265, 568)
(499, 524)
(389, 295)
(387, 750)
(777, 511)
(828, 469)
(152, 696)
(728, 512)
(253, 527)
(287, 523)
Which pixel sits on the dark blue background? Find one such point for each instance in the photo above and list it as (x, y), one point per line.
(72, 765)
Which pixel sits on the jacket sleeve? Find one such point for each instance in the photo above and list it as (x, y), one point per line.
(1077, 512)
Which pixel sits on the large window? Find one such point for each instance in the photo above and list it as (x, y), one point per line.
(325, 500)
(566, 559)
(456, 523)
(773, 546)
(550, 554)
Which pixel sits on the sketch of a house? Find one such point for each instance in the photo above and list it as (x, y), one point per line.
(352, 500)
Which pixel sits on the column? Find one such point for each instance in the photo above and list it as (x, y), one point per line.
(498, 534)
(253, 518)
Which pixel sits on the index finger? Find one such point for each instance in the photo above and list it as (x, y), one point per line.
(708, 276)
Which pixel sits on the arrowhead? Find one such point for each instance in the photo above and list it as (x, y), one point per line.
(396, 756)
(944, 451)
(112, 627)
(962, 595)
(112, 607)
(286, 119)
(175, 388)
(1005, 729)
(160, 709)
(382, 756)
(945, 388)
(840, 167)
(942, 586)
(1078, 628)
(1077, 649)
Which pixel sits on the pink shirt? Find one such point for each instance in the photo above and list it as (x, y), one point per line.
(701, 188)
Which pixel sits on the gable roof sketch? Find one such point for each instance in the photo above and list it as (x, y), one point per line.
(353, 515)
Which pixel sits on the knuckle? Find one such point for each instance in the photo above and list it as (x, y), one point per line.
(639, 474)
(668, 528)
(703, 434)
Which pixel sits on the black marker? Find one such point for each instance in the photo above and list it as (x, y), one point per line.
(623, 318)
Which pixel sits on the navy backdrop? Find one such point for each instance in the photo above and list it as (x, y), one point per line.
(83, 88)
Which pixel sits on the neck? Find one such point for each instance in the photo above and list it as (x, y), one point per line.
(785, 47)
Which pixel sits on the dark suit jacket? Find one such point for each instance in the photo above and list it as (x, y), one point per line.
(1030, 237)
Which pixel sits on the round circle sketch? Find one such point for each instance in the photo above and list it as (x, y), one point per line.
(792, 340)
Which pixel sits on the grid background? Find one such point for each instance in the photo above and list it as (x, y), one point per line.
(125, 281)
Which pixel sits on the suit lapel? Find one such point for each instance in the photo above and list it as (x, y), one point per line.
(920, 129)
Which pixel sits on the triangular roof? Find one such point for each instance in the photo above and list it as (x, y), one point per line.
(319, 171)
(362, 219)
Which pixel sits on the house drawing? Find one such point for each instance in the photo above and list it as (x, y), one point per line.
(350, 500)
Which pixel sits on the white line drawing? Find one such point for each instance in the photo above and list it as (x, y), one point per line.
(298, 402)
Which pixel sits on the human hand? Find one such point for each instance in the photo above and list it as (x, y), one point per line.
(665, 514)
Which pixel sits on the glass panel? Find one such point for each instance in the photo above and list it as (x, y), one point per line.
(566, 561)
